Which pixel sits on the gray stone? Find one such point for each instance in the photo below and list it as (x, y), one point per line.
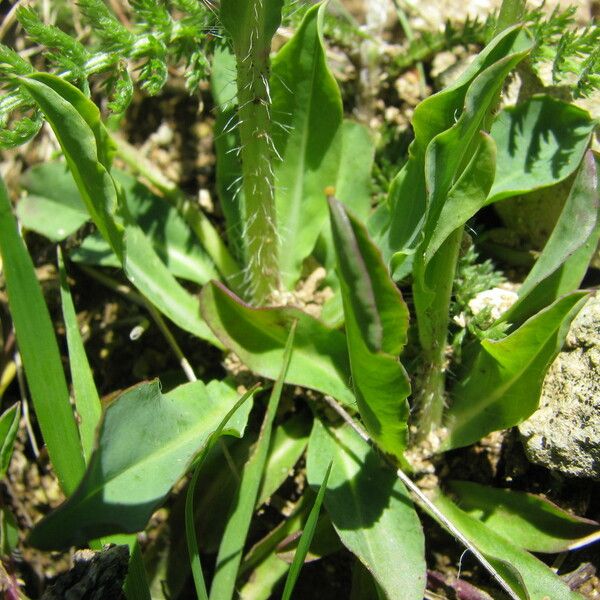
(564, 433)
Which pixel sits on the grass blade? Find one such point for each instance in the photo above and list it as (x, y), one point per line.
(190, 530)
(87, 400)
(9, 427)
(306, 539)
(234, 537)
(39, 350)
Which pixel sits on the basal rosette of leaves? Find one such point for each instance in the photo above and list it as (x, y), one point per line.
(303, 173)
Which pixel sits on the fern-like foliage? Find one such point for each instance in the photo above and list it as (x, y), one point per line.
(163, 32)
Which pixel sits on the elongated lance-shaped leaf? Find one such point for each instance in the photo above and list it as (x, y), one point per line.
(190, 532)
(88, 149)
(529, 521)
(376, 319)
(307, 109)
(236, 530)
(9, 427)
(370, 509)
(258, 337)
(87, 400)
(528, 577)
(146, 441)
(40, 354)
(566, 256)
(305, 539)
(398, 231)
(503, 387)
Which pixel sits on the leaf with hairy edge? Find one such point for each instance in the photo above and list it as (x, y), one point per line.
(9, 427)
(258, 335)
(87, 149)
(503, 387)
(402, 218)
(540, 143)
(307, 107)
(564, 261)
(145, 443)
(371, 510)
(528, 577)
(376, 319)
(531, 522)
(40, 353)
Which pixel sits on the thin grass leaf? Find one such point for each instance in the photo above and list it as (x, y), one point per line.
(306, 539)
(87, 400)
(234, 537)
(190, 530)
(39, 350)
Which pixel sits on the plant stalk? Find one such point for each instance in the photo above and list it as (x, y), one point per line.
(257, 154)
(433, 318)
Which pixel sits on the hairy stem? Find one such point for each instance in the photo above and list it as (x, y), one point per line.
(432, 318)
(252, 30)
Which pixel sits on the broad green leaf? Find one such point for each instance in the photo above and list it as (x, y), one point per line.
(258, 335)
(172, 240)
(370, 509)
(84, 141)
(306, 538)
(564, 261)
(401, 221)
(238, 523)
(53, 206)
(40, 354)
(87, 401)
(528, 521)
(264, 579)
(540, 142)
(376, 319)
(145, 443)
(307, 107)
(9, 427)
(503, 387)
(352, 187)
(87, 148)
(528, 577)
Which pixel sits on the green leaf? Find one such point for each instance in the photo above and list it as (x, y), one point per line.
(39, 350)
(376, 319)
(171, 238)
(503, 387)
(307, 107)
(9, 427)
(238, 523)
(87, 401)
(370, 509)
(190, 532)
(540, 143)
(287, 447)
(258, 335)
(146, 441)
(398, 235)
(88, 149)
(528, 577)
(528, 521)
(53, 206)
(306, 539)
(564, 261)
